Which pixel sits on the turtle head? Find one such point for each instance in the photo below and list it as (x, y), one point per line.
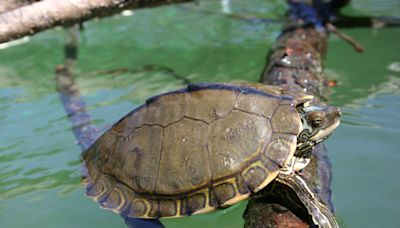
(319, 122)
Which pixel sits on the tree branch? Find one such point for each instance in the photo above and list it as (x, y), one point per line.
(7, 5)
(42, 15)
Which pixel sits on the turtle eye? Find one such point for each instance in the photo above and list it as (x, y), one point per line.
(317, 123)
(316, 119)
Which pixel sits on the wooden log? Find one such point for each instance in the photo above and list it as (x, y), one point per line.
(7, 5)
(39, 16)
(295, 62)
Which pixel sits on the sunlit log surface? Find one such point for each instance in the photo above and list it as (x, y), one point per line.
(39, 16)
(7, 5)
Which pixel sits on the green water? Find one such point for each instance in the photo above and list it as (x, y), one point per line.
(39, 160)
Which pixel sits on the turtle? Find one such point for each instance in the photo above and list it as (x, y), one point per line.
(208, 146)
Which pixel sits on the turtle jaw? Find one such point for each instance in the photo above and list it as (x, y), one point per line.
(324, 133)
(332, 121)
(319, 122)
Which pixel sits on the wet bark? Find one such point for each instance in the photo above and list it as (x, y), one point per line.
(39, 16)
(295, 62)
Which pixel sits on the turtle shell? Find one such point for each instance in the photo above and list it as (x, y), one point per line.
(193, 150)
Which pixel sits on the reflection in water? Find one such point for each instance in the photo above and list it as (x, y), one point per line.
(35, 148)
(16, 42)
(226, 6)
(365, 156)
(395, 67)
(12, 187)
(352, 114)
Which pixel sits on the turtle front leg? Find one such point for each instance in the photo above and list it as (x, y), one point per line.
(298, 163)
(320, 213)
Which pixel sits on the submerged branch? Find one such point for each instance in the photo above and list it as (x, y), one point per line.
(75, 107)
(345, 21)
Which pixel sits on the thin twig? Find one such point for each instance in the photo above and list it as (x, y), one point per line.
(350, 40)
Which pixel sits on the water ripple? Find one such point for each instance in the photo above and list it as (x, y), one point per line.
(15, 187)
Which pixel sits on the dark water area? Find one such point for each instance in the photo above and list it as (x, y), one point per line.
(39, 159)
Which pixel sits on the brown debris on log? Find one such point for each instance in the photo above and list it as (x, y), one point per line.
(295, 62)
(39, 16)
